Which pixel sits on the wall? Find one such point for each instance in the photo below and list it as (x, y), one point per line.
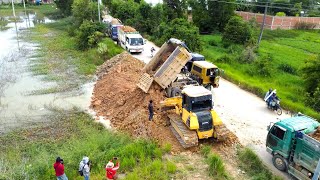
(275, 22)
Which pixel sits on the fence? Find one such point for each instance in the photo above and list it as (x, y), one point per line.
(275, 22)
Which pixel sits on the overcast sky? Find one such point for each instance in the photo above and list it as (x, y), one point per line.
(153, 1)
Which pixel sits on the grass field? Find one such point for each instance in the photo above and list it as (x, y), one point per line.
(30, 154)
(285, 52)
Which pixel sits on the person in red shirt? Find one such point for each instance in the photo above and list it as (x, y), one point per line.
(111, 170)
(59, 169)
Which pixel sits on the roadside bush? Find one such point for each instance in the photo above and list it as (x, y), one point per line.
(313, 100)
(311, 74)
(263, 66)
(237, 31)
(64, 6)
(88, 35)
(235, 49)
(248, 55)
(304, 25)
(287, 68)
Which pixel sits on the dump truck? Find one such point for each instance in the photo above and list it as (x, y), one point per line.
(112, 28)
(294, 146)
(194, 117)
(166, 67)
(130, 39)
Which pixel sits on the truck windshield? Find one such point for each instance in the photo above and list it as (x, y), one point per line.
(114, 30)
(136, 41)
(202, 105)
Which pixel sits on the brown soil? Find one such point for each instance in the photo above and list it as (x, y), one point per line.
(117, 97)
(316, 135)
(128, 29)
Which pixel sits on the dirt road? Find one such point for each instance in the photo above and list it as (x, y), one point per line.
(244, 113)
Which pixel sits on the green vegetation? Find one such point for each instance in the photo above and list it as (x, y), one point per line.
(252, 165)
(48, 10)
(31, 153)
(276, 64)
(216, 167)
(61, 61)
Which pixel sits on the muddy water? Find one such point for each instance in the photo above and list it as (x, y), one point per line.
(17, 107)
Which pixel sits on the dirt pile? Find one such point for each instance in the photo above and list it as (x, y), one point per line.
(117, 97)
(316, 135)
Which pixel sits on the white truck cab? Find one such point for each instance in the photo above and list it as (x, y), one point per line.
(131, 40)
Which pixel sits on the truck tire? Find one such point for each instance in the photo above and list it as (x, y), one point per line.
(175, 92)
(280, 163)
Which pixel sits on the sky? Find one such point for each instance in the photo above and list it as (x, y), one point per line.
(153, 2)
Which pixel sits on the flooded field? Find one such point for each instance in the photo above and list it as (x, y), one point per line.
(19, 107)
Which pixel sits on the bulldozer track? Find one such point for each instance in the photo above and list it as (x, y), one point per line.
(186, 137)
(222, 132)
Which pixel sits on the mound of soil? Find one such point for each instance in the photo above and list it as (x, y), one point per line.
(117, 97)
(316, 135)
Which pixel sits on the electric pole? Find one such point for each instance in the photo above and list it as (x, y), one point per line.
(15, 23)
(263, 23)
(99, 10)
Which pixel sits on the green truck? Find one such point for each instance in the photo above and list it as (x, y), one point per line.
(293, 148)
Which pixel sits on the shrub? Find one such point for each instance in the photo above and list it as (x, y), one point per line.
(311, 74)
(212, 42)
(248, 55)
(237, 31)
(263, 66)
(235, 49)
(225, 59)
(287, 68)
(171, 167)
(281, 14)
(205, 150)
(304, 25)
(87, 35)
(312, 100)
(216, 167)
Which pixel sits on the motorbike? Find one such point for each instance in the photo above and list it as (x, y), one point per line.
(275, 106)
(152, 50)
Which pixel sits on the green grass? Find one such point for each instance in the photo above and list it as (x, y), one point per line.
(251, 164)
(216, 167)
(30, 153)
(48, 10)
(285, 48)
(59, 59)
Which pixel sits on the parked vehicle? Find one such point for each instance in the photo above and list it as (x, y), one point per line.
(295, 147)
(112, 28)
(130, 39)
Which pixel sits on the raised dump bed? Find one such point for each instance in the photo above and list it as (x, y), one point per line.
(165, 65)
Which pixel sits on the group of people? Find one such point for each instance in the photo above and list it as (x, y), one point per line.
(271, 97)
(84, 168)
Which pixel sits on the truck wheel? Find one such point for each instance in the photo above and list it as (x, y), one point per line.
(175, 92)
(279, 162)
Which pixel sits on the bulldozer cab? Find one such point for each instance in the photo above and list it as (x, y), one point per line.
(206, 73)
(196, 98)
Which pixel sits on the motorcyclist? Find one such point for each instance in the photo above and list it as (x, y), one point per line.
(273, 99)
(266, 98)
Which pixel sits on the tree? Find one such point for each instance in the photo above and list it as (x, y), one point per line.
(220, 13)
(174, 9)
(84, 10)
(200, 15)
(89, 34)
(237, 31)
(180, 29)
(64, 6)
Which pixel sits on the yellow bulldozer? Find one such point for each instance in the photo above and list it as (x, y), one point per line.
(194, 118)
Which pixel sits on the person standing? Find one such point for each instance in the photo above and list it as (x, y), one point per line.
(84, 167)
(59, 169)
(150, 108)
(111, 170)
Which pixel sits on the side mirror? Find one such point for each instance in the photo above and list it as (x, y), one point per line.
(269, 126)
(144, 41)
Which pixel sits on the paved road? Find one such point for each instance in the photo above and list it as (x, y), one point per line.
(244, 113)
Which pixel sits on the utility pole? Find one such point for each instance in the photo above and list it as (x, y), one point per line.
(99, 10)
(25, 12)
(263, 23)
(15, 23)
